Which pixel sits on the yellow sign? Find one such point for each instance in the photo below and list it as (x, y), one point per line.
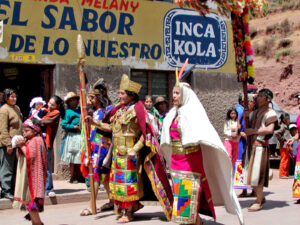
(25, 58)
(135, 33)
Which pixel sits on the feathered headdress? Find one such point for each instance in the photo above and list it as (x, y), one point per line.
(179, 76)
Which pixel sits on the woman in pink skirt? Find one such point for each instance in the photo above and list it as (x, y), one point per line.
(200, 167)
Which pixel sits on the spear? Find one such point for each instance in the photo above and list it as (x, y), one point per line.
(83, 106)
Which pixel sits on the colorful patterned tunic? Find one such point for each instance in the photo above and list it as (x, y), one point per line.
(124, 183)
(190, 187)
(99, 144)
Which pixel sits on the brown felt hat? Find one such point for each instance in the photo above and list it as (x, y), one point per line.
(70, 95)
(160, 99)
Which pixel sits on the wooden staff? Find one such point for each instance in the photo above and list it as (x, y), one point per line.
(83, 105)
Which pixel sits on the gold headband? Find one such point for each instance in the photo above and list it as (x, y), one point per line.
(93, 91)
(128, 85)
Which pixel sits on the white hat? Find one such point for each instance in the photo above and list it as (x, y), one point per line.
(36, 100)
(292, 126)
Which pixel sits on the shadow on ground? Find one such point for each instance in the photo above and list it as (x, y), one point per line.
(103, 215)
(150, 216)
(270, 204)
(64, 191)
(138, 217)
(211, 222)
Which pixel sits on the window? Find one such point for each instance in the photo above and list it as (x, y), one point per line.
(155, 83)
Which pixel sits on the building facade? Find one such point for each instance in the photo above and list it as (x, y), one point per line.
(145, 39)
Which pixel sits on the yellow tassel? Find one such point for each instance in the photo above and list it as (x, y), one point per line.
(250, 71)
(176, 77)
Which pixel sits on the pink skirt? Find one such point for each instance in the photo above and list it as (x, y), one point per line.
(190, 188)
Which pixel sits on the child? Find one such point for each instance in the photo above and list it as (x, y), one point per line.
(293, 147)
(31, 171)
(50, 122)
(293, 132)
(70, 149)
(37, 111)
(231, 131)
(148, 102)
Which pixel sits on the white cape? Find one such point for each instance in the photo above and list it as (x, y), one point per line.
(196, 129)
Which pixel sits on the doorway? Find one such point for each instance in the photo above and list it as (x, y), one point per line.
(29, 80)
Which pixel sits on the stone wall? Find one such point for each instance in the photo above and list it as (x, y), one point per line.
(217, 93)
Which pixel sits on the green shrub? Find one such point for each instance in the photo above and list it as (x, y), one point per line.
(282, 53)
(265, 9)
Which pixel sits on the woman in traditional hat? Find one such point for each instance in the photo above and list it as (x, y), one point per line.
(162, 105)
(201, 169)
(70, 149)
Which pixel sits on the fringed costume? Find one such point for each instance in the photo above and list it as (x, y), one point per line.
(131, 176)
(201, 169)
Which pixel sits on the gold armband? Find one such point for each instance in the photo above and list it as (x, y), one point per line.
(138, 146)
(99, 124)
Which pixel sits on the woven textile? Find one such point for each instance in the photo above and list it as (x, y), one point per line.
(123, 180)
(186, 188)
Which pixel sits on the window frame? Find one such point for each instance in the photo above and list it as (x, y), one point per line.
(149, 81)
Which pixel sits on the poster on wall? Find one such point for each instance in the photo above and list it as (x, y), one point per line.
(115, 32)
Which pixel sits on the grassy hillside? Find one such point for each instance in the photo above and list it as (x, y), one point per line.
(276, 44)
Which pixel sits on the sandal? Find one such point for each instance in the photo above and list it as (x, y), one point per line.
(51, 194)
(126, 217)
(255, 207)
(86, 212)
(107, 206)
(298, 201)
